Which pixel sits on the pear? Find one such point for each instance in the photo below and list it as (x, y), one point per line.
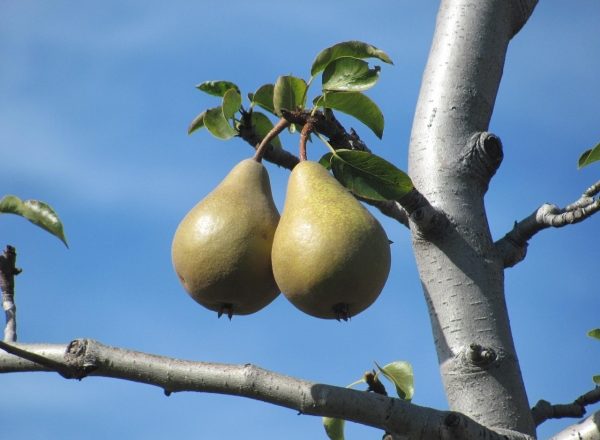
(221, 250)
(331, 257)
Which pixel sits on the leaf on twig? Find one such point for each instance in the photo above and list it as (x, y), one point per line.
(38, 213)
(369, 176)
(354, 49)
(590, 156)
(217, 88)
(264, 97)
(288, 93)
(400, 373)
(232, 101)
(349, 75)
(217, 124)
(197, 123)
(595, 333)
(358, 105)
(334, 428)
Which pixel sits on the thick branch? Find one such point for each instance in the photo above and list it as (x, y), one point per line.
(87, 357)
(544, 410)
(513, 246)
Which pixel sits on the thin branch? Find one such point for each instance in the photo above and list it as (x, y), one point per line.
(278, 156)
(339, 138)
(544, 410)
(8, 271)
(513, 246)
(87, 357)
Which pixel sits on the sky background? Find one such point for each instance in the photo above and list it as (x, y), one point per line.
(95, 99)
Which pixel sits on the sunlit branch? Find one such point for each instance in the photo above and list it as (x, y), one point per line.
(513, 246)
(587, 429)
(84, 357)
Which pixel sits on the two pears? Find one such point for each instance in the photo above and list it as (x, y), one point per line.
(327, 254)
(221, 250)
(330, 256)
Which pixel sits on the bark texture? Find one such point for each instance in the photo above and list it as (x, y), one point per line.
(451, 161)
(86, 357)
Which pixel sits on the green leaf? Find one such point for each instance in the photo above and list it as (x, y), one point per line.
(263, 125)
(38, 213)
(358, 105)
(595, 333)
(197, 123)
(334, 428)
(264, 97)
(596, 379)
(349, 75)
(369, 176)
(590, 156)
(232, 101)
(217, 124)
(354, 49)
(325, 160)
(288, 93)
(217, 88)
(400, 373)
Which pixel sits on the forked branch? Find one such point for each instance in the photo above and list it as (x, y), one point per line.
(513, 246)
(84, 357)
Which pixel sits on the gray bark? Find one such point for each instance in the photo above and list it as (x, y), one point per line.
(84, 357)
(451, 161)
(587, 429)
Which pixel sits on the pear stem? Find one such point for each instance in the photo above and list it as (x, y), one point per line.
(261, 149)
(304, 133)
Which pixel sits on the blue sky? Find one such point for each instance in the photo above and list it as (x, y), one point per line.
(95, 99)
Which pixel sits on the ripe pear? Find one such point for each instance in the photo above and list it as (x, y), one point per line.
(331, 257)
(221, 250)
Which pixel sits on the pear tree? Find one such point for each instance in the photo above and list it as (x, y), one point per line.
(330, 257)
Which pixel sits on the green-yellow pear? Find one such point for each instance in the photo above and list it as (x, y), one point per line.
(222, 248)
(331, 257)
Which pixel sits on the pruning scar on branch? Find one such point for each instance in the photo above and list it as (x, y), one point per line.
(513, 246)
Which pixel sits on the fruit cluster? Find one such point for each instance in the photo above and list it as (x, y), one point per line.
(327, 254)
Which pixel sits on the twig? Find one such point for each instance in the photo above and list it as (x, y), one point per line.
(39, 359)
(261, 149)
(88, 357)
(544, 410)
(513, 246)
(307, 128)
(8, 271)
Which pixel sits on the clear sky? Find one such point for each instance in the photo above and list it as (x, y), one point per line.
(95, 99)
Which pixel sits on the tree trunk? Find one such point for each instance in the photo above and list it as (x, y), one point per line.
(451, 161)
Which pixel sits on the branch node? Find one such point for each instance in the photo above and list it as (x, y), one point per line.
(482, 156)
(452, 420)
(79, 359)
(481, 356)
(428, 221)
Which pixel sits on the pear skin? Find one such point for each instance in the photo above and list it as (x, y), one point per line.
(331, 257)
(221, 250)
